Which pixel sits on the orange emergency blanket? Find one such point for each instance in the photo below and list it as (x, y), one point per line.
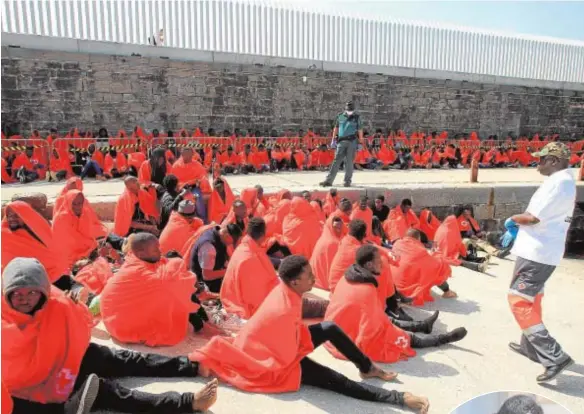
(364, 321)
(95, 275)
(191, 173)
(449, 241)
(149, 303)
(177, 231)
(21, 243)
(265, 356)
(125, 209)
(344, 258)
(218, 209)
(428, 223)
(249, 279)
(418, 270)
(330, 204)
(365, 215)
(323, 254)
(397, 223)
(77, 236)
(301, 228)
(41, 354)
(73, 183)
(275, 217)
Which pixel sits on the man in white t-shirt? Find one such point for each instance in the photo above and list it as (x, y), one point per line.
(539, 248)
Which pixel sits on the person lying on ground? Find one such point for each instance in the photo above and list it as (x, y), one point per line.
(49, 364)
(356, 309)
(269, 355)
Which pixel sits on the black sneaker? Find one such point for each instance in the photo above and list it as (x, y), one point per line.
(453, 336)
(325, 184)
(347, 184)
(501, 254)
(81, 401)
(515, 347)
(552, 372)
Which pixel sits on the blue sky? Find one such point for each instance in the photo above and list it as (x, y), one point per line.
(563, 19)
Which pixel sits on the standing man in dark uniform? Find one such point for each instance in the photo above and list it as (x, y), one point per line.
(348, 128)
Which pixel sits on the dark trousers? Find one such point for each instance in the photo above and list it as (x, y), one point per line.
(214, 285)
(109, 364)
(319, 376)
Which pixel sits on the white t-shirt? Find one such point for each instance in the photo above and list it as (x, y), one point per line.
(553, 204)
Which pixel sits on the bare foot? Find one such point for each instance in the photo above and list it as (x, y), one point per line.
(376, 372)
(206, 397)
(418, 404)
(450, 294)
(204, 371)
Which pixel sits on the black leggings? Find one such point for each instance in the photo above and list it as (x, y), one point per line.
(108, 364)
(319, 376)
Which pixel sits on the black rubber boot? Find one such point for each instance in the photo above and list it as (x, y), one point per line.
(424, 326)
(452, 336)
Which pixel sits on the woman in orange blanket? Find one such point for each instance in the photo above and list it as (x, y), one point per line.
(221, 200)
(50, 366)
(428, 223)
(345, 256)
(77, 228)
(356, 311)
(136, 210)
(73, 183)
(400, 219)
(250, 274)
(155, 169)
(149, 299)
(182, 224)
(418, 271)
(269, 355)
(301, 228)
(25, 233)
(325, 250)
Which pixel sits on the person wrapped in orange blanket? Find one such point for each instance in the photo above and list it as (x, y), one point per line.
(355, 307)
(221, 200)
(400, 219)
(59, 166)
(77, 228)
(149, 299)
(115, 164)
(136, 210)
(50, 366)
(428, 223)
(26, 167)
(25, 233)
(250, 274)
(182, 224)
(301, 228)
(6, 178)
(191, 174)
(229, 161)
(330, 202)
(275, 217)
(362, 211)
(418, 271)
(345, 256)
(269, 354)
(73, 183)
(263, 205)
(325, 250)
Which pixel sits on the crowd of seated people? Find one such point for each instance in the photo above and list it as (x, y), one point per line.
(104, 156)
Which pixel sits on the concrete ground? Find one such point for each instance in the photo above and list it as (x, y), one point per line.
(308, 180)
(448, 376)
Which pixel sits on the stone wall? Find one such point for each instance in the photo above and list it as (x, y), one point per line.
(44, 89)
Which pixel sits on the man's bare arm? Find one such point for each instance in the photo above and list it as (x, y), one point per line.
(525, 219)
(361, 140)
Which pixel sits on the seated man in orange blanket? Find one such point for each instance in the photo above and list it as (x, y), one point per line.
(136, 210)
(250, 275)
(320, 159)
(238, 215)
(249, 161)
(221, 200)
(269, 355)
(230, 162)
(301, 227)
(150, 299)
(181, 226)
(262, 159)
(418, 271)
(210, 253)
(59, 167)
(387, 156)
(325, 250)
(355, 307)
(362, 211)
(472, 235)
(400, 219)
(280, 159)
(50, 366)
(501, 159)
(26, 167)
(345, 255)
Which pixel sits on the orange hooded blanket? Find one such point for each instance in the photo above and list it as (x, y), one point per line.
(275, 217)
(95, 275)
(6, 402)
(149, 303)
(265, 356)
(120, 163)
(218, 209)
(77, 236)
(323, 254)
(469, 224)
(301, 228)
(249, 279)
(418, 270)
(330, 204)
(364, 320)
(318, 210)
(73, 183)
(428, 223)
(249, 196)
(365, 215)
(344, 258)
(41, 354)
(397, 223)
(41, 246)
(177, 231)
(449, 242)
(191, 173)
(125, 209)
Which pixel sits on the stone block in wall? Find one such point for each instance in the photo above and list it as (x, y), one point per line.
(484, 211)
